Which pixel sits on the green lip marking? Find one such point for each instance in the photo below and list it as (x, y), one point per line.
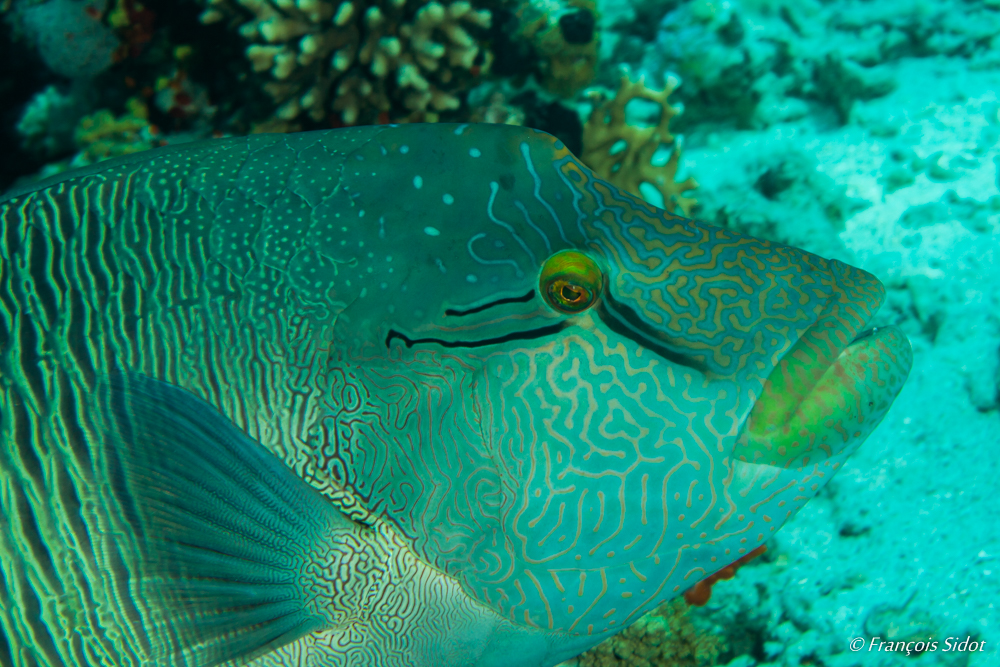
(798, 421)
(427, 395)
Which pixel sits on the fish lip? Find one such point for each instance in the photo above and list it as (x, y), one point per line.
(865, 333)
(857, 386)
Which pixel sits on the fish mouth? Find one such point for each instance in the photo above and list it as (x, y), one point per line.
(813, 408)
(864, 334)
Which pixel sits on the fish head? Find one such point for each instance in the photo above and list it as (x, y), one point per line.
(618, 401)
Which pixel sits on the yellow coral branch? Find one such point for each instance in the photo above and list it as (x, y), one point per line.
(623, 153)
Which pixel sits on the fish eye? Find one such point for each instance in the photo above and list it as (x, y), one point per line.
(570, 281)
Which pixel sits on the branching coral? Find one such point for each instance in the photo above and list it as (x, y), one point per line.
(663, 637)
(366, 62)
(622, 153)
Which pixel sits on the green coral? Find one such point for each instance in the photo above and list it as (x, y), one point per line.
(665, 637)
(102, 135)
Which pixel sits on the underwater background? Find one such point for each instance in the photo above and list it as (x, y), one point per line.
(863, 131)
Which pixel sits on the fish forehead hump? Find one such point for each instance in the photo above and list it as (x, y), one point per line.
(476, 209)
(452, 216)
(479, 208)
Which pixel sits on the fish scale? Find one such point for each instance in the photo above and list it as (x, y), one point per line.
(314, 399)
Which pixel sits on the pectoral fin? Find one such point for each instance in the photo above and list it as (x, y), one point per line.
(227, 538)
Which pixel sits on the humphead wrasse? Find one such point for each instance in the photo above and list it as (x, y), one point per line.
(429, 395)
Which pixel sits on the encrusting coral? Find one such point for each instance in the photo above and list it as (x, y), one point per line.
(664, 637)
(622, 152)
(364, 62)
(101, 135)
(699, 594)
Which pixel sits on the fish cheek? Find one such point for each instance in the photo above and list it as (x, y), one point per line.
(612, 459)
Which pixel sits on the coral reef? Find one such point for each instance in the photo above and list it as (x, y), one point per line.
(96, 137)
(736, 65)
(666, 636)
(178, 95)
(102, 135)
(564, 39)
(134, 24)
(48, 122)
(362, 62)
(492, 103)
(502, 102)
(699, 594)
(69, 35)
(628, 153)
(757, 63)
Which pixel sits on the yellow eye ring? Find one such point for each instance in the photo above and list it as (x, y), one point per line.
(570, 281)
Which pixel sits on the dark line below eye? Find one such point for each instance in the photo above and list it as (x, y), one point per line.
(518, 335)
(499, 302)
(630, 316)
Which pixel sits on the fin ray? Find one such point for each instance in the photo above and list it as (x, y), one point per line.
(224, 530)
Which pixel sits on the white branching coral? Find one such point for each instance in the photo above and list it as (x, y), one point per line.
(365, 61)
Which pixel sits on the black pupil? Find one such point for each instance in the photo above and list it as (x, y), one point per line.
(571, 293)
